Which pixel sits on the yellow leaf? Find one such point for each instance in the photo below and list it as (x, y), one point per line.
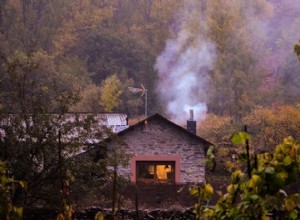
(219, 193)
(264, 217)
(99, 216)
(254, 181)
(268, 156)
(293, 152)
(209, 189)
(230, 188)
(60, 217)
(194, 191)
(282, 175)
(289, 204)
(236, 176)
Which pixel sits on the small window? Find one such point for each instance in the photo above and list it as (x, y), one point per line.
(155, 171)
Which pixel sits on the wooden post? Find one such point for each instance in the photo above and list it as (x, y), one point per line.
(60, 169)
(114, 191)
(136, 203)
(248, 156)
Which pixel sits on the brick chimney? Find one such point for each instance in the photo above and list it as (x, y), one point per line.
(191, 124)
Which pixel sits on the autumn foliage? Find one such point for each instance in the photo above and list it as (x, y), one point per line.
(261, 195)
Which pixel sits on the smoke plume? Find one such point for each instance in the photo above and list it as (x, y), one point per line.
(267, 28)
(183, 67)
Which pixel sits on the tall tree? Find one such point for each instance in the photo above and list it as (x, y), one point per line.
(37, 136)
(90, 100)
(146, 21)
(108, 53)
(110, 93)
(233, 81)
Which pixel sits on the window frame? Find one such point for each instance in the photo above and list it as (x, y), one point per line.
(145, 175)
(175, 159)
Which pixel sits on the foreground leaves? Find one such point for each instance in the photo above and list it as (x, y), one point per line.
(7, 189)
(263, 194)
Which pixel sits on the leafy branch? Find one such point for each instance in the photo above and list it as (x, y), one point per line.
(7, 189)
(261, 194)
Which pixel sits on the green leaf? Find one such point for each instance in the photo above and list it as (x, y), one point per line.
(16, 213)
(240, 138)
(210, 152)
(242, 157)
(254, 197)
(236, 139)
(294, 214)
(281, 177)
(208, 212)
(287, 160)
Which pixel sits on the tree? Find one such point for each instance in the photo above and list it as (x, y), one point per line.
(227, 28)
(110, 92)
(268, 126)
(8, 188)
(117, 157)
(216, 129)
(90, 100)
(297, 50)
(82, 17)
(110, 53)
(37, 136)
(97, 174)
(61, 34)
(146, 21)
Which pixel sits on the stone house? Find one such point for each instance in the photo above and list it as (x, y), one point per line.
(164, 158)
(164, 152)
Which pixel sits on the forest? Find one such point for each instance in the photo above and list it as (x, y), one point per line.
(227, 59)
(230, 57)
(234, 62)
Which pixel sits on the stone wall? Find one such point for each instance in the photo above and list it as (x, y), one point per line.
(157, 137)
(160, 196)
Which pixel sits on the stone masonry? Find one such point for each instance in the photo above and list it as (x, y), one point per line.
(158, 136)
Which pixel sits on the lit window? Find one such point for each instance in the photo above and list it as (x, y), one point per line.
(155, 171)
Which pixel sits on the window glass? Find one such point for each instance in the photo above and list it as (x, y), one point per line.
(156, 171)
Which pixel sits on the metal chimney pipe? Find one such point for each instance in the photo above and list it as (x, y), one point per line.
(191, 115)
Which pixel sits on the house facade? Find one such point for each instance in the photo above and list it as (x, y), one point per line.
(163, 152)
(163, 160)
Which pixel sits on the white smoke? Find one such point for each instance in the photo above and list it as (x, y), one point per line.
(183, 71)
(184, 65)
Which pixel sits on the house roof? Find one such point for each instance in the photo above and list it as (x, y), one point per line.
(111, 119)
(149, 119)
(176, 126)
(115, 121)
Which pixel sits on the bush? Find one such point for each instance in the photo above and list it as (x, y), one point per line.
(260, 194)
